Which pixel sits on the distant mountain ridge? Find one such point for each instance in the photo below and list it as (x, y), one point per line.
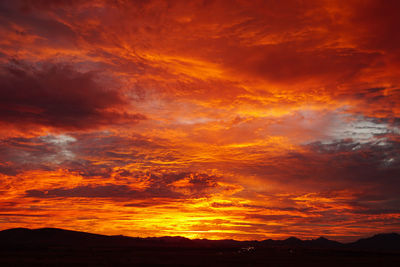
(60, 237)
(386, 241)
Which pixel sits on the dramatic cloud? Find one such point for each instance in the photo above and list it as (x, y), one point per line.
(58, 96)
(105, 191)
(214, 119)
(174, 186)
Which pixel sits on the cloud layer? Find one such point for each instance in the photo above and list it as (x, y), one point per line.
(215, 119)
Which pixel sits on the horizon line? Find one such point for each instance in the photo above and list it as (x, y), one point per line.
(193, 239)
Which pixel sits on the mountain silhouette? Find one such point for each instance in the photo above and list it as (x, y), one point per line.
(380, 242)
(294, 241)
(59, 247)
(56, 236)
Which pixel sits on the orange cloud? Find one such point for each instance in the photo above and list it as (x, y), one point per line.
(214, 119)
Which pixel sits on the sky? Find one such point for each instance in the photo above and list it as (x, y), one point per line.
(242, 120)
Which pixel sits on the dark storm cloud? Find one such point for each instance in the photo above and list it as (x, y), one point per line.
(285, 63)
(382, 101)
(358, 165)
(20, 154)
(26, 149)
(89, 169)
(380, 18)
(33, 23)
(57, 96)
(47, 4)
(92, 154)
(104, 191)
(366, 168)
(194, 184)
(338, 163)
(100, 191)
(273, 217)
(369, 172)
(163, 186)
(8, 169)
(112, 146)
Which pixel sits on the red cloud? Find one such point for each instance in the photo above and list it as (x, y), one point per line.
(256, 112)
(58, 96)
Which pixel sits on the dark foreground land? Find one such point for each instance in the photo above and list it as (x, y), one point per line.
(56, 247)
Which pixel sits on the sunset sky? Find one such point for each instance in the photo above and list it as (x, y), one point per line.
(204, 119)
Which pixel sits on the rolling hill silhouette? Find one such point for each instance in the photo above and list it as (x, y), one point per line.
(381, 242)
(56, 236)
(59, 247)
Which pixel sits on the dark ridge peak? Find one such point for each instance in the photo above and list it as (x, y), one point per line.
(322, 239)
(227, 240)
(322, 242)
(379, 242)
(293, 239)
(382, 236)
(175, 237)
(386, 235)
(170, 239)
(64, 232)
